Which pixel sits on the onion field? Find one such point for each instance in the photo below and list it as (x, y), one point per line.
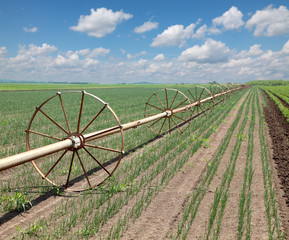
(212, 177)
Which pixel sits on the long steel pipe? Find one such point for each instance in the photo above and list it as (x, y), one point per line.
(28, 156)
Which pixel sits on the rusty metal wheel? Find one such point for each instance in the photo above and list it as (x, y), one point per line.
(218, 92)
(167, 100)
(72, 115)
(199, 95)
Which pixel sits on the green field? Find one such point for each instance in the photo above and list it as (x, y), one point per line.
(150, 164)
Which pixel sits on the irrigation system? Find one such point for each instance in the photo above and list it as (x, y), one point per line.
(99, 143)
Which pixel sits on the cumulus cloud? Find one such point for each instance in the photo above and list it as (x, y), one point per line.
(269, 21)
(196, 66)
(98, 52)
(230, 20)
(253, 51)
(34, 50)
(129, 56)
(31, 30)
(285, 48)
(210, 52)
(100, 22)
(3, 51)
(201, 32)
(175, 35)
(159, 57)
(147, 26)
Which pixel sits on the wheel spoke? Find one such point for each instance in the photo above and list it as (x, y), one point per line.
(201, 94)
(62, 155)
(167, 98)
(97, 161)
(70, 167)
(53, 121)
(192, 96)
(103, 148)
(155, 122)
(181, 119)
(203, 111)
(162, 125)
(155, 107)
(104, 132)
(174, 99)
(94, 118)
(83, 169)
(181, 103)
(159, 100)
(196, 109)
(169, 124)
(80, 112)
(64, 113)
(177, 125)
(44, 135)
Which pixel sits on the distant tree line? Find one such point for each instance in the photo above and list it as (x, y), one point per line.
(268, 83)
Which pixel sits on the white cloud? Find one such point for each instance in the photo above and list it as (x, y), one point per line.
(100, 22)
(83, 52)
(270, 21)
(210, 52)
(175, 35)
(213, 30)
(122, 51)
(201, 32)
(3, 51)
(98, 52)
(31, 30)
(196, 66)
(253, 51)
(34, 50)
(159, 57)
(147, 26)
(230, 20)
(285, 48)
(129, 56)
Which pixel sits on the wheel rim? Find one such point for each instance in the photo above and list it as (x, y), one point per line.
(167, 100)
(71, 115)
(197, 94)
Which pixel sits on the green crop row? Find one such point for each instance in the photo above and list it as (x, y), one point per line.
(221, 193)
(191, 209)
(273, 219)
(282, 108)
(246, 193)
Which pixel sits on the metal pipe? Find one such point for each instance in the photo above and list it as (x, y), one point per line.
(28, 156)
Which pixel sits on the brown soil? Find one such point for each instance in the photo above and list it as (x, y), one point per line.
(279, 133)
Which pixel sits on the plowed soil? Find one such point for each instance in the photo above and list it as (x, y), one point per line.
(279, 134)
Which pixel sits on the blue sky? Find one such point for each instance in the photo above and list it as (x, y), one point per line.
(159, 41)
